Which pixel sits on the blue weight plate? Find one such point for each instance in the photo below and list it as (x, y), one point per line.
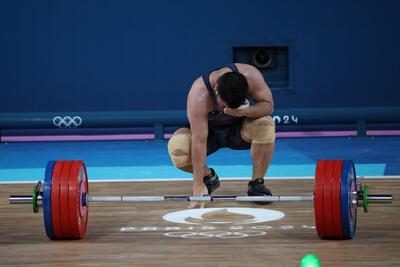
(47, 200)
(348, 208)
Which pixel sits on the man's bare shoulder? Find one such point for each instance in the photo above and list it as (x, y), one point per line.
(198, 91)
(249, 71)
(198, 85)
(198, 98)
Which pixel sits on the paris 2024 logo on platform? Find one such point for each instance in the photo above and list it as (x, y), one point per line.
(214, 223)
(218, 223)
(216, 216)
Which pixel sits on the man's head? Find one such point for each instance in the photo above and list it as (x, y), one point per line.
(232, 89)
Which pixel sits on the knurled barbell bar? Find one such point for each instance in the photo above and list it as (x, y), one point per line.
(65, 199)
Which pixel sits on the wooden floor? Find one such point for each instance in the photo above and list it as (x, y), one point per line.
(137, 235)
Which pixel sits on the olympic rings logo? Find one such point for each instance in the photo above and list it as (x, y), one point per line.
(215, 234)
(67, 121)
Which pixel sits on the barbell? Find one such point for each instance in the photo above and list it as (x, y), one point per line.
(65, 199)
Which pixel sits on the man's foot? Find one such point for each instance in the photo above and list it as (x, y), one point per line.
(211, 181)
(257, 188)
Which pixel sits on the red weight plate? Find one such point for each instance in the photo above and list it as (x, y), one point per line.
(336, 199)
(327, 195)
(55, 200)
(73, 199)
(64, 211)
(331, 196)
(84, 185)
(318, 199)
(78, 212)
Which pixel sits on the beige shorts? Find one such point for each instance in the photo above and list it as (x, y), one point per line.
(238, 136)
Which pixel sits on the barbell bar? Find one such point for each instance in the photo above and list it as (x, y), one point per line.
(65, 199)
(27, 199)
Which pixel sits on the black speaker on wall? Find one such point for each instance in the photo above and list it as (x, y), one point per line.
(272, 61)
(263, 58)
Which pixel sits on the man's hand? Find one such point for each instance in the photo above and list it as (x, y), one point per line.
(238, 112)
(199, 189)
(235, 112)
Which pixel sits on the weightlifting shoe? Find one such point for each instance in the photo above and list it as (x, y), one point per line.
(211, 181)
(257, 188)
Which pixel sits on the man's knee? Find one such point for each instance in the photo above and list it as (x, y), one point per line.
(179, 148)
(260, 131)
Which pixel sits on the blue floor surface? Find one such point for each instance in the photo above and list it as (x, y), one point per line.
(130, 160)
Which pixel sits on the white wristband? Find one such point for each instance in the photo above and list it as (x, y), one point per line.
(245, 105)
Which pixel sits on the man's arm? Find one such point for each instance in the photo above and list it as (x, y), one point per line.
(197, 115)
(261, 94)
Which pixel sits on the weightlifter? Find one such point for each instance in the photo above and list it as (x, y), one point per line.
(220, 115)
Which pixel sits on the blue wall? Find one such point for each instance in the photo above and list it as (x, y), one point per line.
(99, 55)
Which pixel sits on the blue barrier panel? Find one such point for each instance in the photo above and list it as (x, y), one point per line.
(161, 118)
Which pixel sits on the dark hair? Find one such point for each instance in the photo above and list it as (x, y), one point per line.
(233, 89)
